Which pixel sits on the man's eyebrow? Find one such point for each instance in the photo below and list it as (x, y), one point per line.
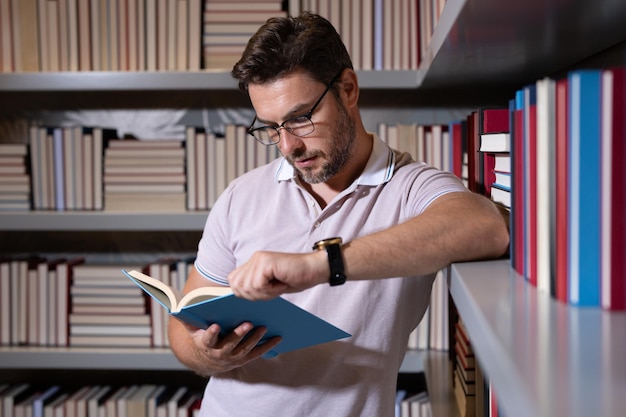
(296, 111)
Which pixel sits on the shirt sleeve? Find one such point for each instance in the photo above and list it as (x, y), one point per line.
(426, 184)
(214, 259)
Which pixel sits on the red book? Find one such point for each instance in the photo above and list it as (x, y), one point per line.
(457, 148)
(613, 194)
(517, 162)
(489, 176)
(64, 273)
(495, 120)
(561, 270)
(474, 157)
(490, 120)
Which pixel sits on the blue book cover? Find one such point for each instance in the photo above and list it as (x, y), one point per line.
(38, 403)
(584, 192)
(207, 305)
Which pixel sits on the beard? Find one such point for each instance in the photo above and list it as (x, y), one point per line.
(340, 152)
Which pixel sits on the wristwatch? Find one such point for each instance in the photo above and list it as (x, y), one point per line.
(335, 259)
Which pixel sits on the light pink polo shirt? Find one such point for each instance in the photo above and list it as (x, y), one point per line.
(266, 209)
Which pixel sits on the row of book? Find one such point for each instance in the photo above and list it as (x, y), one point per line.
(30, 399)
(67, 302)
(89, 168)
(189, 35)
(380, 35)
(100, 35)
(567, 213)
(430, 333)
(53, 301)
(413, 405)
(554, 160)
(150, 400)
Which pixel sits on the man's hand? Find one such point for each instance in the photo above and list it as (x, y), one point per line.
(229, 352)
(269, 274)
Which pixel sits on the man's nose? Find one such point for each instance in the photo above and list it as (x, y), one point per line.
(288, 141)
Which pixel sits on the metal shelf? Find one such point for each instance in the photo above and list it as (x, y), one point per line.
(122, 359)
(88, 358)
(102, 81)
(101, 221)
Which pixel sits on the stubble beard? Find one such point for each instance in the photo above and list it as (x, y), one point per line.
(340, 152)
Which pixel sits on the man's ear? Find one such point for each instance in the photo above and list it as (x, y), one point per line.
(349, 88)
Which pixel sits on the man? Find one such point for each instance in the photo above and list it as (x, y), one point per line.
(400, 221)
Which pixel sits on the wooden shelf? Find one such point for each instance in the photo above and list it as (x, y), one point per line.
(101, 221)
(545, 358)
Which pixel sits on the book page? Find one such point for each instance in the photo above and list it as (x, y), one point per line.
(201, 294)
(163, 293)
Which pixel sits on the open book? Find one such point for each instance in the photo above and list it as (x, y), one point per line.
(204, 306)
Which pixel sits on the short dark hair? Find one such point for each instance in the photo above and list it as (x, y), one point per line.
(284, 44)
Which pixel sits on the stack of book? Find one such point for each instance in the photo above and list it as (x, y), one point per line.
(494, 144)
(464, 372)
(228, 25)
(145, 176)
(15, 190)
(106, 309)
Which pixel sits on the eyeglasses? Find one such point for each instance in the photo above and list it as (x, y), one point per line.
(298, 126)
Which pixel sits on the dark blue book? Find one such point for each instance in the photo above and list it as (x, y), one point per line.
(207, 305)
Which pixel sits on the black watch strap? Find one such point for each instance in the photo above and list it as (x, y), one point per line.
(335, 259)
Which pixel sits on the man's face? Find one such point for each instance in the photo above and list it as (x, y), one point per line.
(320, 155)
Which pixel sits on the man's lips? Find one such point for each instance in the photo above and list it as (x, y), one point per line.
(305, 162)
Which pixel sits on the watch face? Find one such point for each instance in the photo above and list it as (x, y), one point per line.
(321, 244)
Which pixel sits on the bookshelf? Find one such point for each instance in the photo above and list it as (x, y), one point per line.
(126, 359)
(168, 81)
(544, 358)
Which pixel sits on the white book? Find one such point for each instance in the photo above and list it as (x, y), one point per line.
(137, 403)
(545, 176)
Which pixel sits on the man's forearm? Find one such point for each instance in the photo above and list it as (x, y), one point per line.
(460, 227)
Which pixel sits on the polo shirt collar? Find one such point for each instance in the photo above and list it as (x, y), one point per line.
(379, 168)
